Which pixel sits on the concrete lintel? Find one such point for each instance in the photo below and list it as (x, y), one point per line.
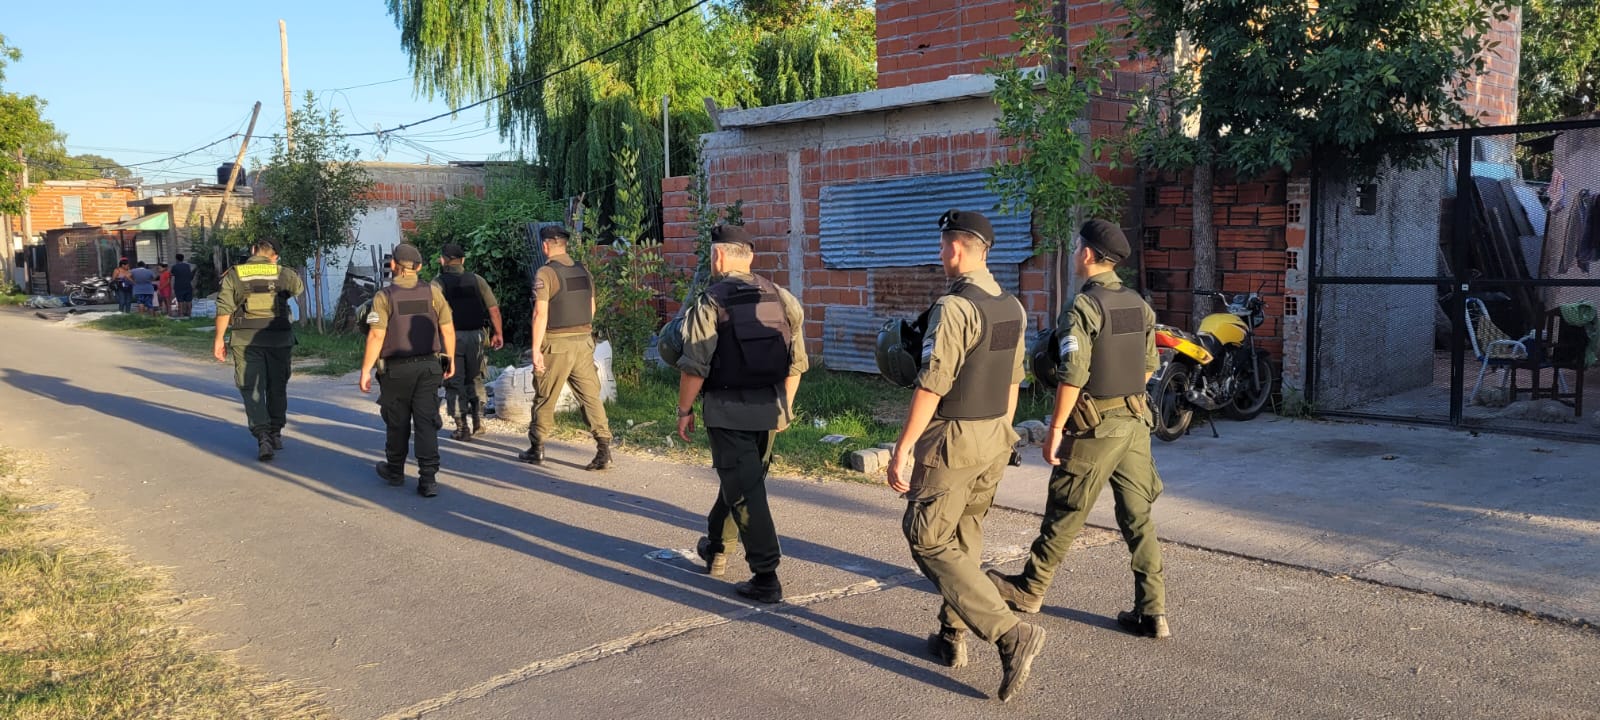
(956, 87)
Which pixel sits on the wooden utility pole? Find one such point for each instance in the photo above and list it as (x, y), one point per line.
(27, 215)
(666, 139)
(238, 162)
(288, 100)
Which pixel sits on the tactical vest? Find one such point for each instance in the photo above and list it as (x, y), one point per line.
(413, 327)
(982, 390)
(265, 306)
(572, 305)
(753, 336)
(467, 307)
(1116, 367)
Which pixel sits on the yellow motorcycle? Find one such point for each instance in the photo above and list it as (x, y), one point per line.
(1218, 368)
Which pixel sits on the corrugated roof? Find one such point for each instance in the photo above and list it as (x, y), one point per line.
(893, 223)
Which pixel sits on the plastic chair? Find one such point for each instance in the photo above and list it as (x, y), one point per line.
(1492, 346)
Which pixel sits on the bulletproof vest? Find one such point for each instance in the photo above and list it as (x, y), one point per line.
(753, 335)
(572, 305)
(413, 327)
(1116, 368)
(265, 306)
(467, 307)
(982, 389)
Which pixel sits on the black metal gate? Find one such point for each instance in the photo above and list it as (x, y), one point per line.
(1461, 290)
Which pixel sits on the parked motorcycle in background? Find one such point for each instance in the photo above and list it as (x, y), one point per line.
(92, 291)
(1218, 368)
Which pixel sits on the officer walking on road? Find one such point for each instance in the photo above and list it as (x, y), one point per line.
(1100, 431)
(477, 320)
(411, 332)
(254, 302)
(959, 434)
(563, 349)
(743, 352)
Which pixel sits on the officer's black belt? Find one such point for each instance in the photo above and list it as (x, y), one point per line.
(392, 361)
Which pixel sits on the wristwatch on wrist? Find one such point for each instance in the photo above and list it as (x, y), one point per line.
(683, 413)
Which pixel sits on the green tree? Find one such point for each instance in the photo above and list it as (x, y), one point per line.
(86, 166)
(794, 50)
(313, 192)
(25, 138)
(1042, 103)
(1253, 85)
(1560, 71)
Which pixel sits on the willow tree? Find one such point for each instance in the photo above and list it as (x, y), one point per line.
(569, 111)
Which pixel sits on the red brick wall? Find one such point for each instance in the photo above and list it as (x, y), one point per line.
(102, 203)
(1251, 219)
(1493, 94)
(924, 40)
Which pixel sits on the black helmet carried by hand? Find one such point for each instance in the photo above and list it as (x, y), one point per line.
(899, 351)
(1044, 358)
(670, 344)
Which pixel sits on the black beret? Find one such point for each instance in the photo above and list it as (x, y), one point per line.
(732, 234)
(552, 232)
(968, 221)
(1107, 239)
(407, 253)
(452, 250)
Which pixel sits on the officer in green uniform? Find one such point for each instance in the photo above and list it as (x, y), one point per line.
(563, 349)
(477, 319)
(1100, 431)
(743, 353)
(254, 302)
(959, 434)
(411, 331)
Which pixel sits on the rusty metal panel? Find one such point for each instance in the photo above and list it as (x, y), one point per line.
(850, 334)
(894, 223)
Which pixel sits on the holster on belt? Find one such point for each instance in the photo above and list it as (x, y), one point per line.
(379, 367)
(1085, 415)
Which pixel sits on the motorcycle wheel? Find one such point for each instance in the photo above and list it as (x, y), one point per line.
(1172, 412)
(77, 298)
(1251, 399)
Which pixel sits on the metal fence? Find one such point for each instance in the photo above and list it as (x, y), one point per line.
(1460, 290)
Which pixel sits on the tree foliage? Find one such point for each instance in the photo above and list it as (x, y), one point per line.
(1560, 70)
(1041, 110)
(86, 166)
(571, 120)
(23, 128)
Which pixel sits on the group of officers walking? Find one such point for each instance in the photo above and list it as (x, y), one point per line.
(740, 351)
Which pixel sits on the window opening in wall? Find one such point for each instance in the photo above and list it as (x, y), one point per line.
(1152, 238)
(71, 210)
(1367, 199)
(1149, 195)
(1291, 306)
(1294, 212)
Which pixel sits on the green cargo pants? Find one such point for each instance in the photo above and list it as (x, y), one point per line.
(1118, 452)
(741, 458)
(463, 391)
(262, 375)
(944, 525)
(568, 358)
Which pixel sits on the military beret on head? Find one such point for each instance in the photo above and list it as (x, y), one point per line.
(1107, 239)
(452, 250)
(732, 234)
(968, 221)
(407, 253)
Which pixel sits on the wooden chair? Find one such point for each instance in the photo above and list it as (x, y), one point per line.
(1559, 346)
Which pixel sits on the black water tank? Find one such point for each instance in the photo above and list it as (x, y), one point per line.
(225, 169)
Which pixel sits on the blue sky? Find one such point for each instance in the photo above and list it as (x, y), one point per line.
(142, 81)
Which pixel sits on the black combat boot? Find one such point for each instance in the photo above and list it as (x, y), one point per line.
(277, 439)
(461, 432)
(534, 454)
(477, 422)
(427, 487)
(949, 646)
(602, 456)
(394, 477)
(763, 587)
(1018, 648)
(264, 448)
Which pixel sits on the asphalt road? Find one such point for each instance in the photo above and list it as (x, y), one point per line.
(532, 593)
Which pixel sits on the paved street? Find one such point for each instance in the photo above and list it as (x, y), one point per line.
(534, 593)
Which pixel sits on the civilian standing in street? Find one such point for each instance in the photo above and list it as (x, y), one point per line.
(144, 287)
(743, 354)
(254, 304)
(955, 444)
(410, 331)
(183, 286)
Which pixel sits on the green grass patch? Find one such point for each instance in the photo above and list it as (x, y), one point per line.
(864, 408)
(9, 299)
(332, 353)
(85, 634)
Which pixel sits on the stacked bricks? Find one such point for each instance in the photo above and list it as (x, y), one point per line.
(101, 200)
(1251, 221)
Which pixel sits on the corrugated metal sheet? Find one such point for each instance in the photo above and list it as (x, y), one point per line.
(850, 334)
(893, 223)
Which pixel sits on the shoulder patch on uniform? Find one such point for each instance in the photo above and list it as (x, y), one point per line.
(373, 318)
(538, 284)
(1068, 345)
